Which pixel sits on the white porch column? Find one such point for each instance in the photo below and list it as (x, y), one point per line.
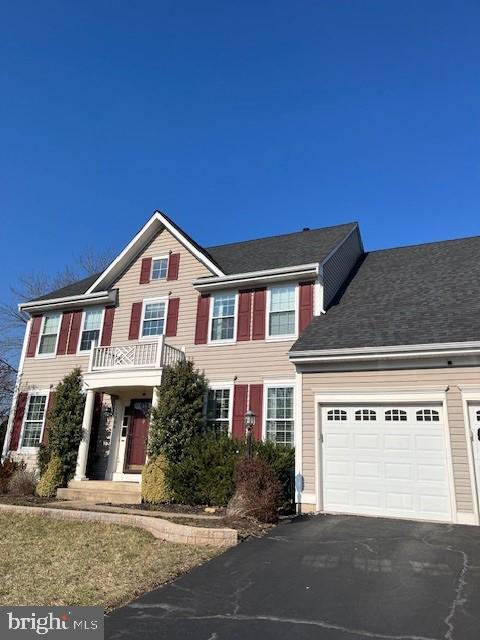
(87, 427)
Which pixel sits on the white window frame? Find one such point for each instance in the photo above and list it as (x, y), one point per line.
(82, 352)
(278, 384)
(53, 354)
(163, 299)
(235, 318)
(43, 392)
(285, 337)
(216, 386)
(167, 258)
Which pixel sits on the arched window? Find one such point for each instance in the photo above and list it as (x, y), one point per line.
(337, 414)
(396, 415)
(428, 415)
(365, 415)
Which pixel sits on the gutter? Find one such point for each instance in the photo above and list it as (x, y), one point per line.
(84, 299)
(258, 277)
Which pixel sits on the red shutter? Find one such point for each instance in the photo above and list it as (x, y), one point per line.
(64, 331)
(34, 335)
(173, 264)
(107, 327)
(145, 271)
(74, 332)
(51, 404)
(135, 319)
(244, 315)
(203, 309)
(240, 392)
(172, 317)
(306, 305)
(259, 308)
(17, 421)
(256, 405)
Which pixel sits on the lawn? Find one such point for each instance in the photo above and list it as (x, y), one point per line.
(52, 562)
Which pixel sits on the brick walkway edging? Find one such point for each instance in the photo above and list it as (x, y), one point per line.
(162, 529)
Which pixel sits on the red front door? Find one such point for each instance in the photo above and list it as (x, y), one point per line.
(137, 435)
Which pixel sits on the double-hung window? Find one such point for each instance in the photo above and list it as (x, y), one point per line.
(218, 410)
(159, 268)
(92, 324)
(34, 420)
(48, 338)
(223, 317)
(281, 313)
(280, 421)
(153, 322)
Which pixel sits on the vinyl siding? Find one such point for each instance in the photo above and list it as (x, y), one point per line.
(339, 265)
(315, 382)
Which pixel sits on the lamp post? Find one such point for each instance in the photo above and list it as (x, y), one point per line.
(249, 421)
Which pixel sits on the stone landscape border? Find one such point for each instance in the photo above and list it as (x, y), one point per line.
(159, 528)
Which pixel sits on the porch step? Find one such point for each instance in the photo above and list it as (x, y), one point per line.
(101, 491)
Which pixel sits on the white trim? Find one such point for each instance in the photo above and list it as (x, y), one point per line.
(145, 301)
(167, 258)
(297, 272)
(275, 384)
(40, 392)
(471, 395)
(233, 340)
(82, 352)
(298, 434)
(135, 245)
(464, 517)
(283, 337)
(215, 386)
(388, 396)
(52, 304)
(51, 354)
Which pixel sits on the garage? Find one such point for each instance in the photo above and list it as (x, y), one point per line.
(384, 460)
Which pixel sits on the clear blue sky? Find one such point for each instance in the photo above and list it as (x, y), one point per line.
(238, 119)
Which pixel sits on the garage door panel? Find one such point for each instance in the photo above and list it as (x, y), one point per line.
(399, 470)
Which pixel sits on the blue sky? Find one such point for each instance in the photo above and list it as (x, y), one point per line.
(238, 119)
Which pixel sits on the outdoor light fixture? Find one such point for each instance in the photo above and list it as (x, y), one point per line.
(249, 421)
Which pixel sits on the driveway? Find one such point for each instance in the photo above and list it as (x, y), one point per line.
(323, 577)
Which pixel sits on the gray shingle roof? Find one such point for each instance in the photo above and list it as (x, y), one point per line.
(421, 294)
(73, 289)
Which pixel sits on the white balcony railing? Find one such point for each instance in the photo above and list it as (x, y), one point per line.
(139, 355)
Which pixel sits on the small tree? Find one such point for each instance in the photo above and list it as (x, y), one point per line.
(178, 417)
(65, 424)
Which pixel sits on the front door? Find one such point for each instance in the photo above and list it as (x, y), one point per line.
(475, 427)
(137, 435)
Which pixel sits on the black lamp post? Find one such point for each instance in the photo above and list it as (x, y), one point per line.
(249, 420)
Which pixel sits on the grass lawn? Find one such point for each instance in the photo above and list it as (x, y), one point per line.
(51, 562)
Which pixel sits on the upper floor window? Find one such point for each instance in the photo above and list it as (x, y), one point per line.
(49, 334)
(223, 317)
(218, 410)
(159, 268)
(153, 318)
(279, 424)
(34, 419)
(92, 324)
(281, 312)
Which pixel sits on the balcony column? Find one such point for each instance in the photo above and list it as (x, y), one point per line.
(87, 427)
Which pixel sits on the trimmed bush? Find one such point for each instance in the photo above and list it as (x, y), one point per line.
(7, 468)
(257, 491)
(154, 484)
(52, 479)
(43, 458)
(22, 483)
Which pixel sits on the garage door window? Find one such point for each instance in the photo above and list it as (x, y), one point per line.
(365, 415)
(280, 415)
(428, 415)
(396, 415)
(337, 414)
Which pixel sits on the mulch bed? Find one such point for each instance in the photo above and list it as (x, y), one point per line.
(25, 501)
(198, 510)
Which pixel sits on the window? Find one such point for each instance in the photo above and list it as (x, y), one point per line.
(48, 339)
(280, 415)
(92, 324)
(365, 415)
(218, 410)
(153, 319)
(396, 415)
(223, 317)
(337, 414)
(428, 415)
(35, 416)
(281, 321)
(159, 268)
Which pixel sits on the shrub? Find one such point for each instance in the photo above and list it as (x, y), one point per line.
(43, 458)
(7, 468)
(52, 479)
(22, 483)
(282, 461)
(178, 417)
(154, 484)
(205, 475)
(257, 491)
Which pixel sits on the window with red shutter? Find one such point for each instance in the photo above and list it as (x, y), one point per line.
(259, 309)
(173, 266)
(244, 315)
(203, 309)
(305, 305)
(135, 318)
(172, 317)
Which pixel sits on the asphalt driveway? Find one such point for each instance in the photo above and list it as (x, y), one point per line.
(324, 577)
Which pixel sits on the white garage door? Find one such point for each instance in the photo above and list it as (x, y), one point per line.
(385, 461)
